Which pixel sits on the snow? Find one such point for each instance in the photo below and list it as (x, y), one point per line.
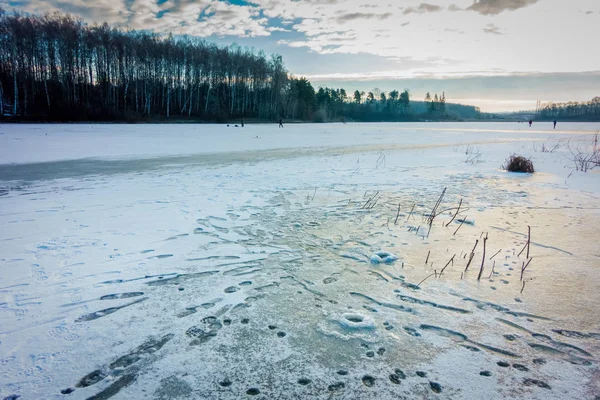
(383, 257)
(205, 260)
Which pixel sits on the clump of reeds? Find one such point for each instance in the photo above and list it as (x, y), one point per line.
(517, 163)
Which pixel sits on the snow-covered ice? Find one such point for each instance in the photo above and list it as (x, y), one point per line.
(201, 261)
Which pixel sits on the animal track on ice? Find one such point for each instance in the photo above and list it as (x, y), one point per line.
(187, 311)
(225, 383)
(577, 335)
(177, 236)
(91, 379)
(471, 348)
(568, 351)
(106, 311)
(180, 278)
(201, 335)
(535, 382)
(193, 309)
(520, 367)
(243, 270)
(149, 347)
(396, 307)
(457, 336)
(335, 387)
(378, 275)
(121, 295)
(64, 333)
(412, 331)
(161, 276)
(38, 273)
(368, 381)
(214, 258)
(414, 300)
(115, 387)
(435, 387)
(484, 305)
(563, 347)
(162, 256)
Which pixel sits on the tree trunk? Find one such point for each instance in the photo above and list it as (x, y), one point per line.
(207, 96)
(168, 102)
(16, 90)
(1, 101)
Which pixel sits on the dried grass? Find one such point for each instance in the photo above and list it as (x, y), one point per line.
(517, 163)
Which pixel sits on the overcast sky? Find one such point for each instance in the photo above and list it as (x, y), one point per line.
(497, 54)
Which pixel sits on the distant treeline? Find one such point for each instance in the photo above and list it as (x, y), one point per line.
(572, 110)
(335, 105)
(57, 68)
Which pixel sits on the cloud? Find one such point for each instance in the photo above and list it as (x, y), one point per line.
(111, 11)
(423, 8)
(198, 18)
(352, 29)
(353, 16)
(277, 29)
(409, 67)
(494, 7)
(492, 29)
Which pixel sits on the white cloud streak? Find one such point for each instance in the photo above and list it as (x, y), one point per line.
(494, 7)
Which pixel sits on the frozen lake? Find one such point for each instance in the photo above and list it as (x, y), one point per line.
(214, 262)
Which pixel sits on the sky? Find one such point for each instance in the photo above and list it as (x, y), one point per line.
(501, 55)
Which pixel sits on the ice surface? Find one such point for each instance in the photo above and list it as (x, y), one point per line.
(200, 261)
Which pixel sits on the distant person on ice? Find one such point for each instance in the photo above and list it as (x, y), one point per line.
(554, 124)
(530, 122)
(280, 123)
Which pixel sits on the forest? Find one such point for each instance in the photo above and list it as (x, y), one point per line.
(572, 110)
(57, 68)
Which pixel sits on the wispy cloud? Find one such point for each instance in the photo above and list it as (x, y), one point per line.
(422, 9)
(494, 7)
(497, 73)
(454, 31)
(353, 16)
(492, 29)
